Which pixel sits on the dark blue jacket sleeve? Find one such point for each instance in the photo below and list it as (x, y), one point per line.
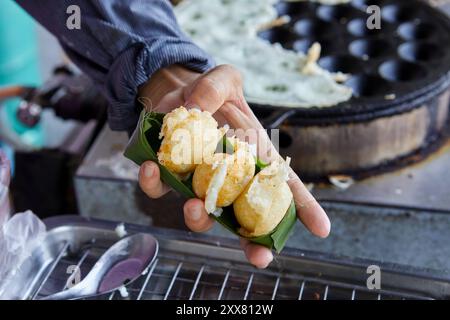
(121, 43)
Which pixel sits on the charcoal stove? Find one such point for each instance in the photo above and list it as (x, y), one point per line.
(191, 267)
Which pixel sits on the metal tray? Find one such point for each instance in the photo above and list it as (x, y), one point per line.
(191, 266)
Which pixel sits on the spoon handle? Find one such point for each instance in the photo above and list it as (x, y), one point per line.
(69, 294)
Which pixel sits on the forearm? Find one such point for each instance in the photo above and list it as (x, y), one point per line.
(121, 44)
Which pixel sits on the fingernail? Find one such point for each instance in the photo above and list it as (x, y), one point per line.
(269, 259)
(327, 227)
(149, 170)
(196, 214)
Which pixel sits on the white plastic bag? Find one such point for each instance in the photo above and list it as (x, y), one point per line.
(19, 236)
(5, 175)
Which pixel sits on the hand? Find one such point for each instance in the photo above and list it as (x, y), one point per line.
(220, 92)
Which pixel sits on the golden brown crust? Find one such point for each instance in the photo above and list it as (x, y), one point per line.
(264, 202)
(189, 138)
(239, 174)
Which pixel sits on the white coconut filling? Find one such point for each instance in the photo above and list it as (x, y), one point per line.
(311, 67)
(261, 191)
(216, 183)
(123, 292)
(253, 149)
(120, 230)
(341, 182)
(217, 212)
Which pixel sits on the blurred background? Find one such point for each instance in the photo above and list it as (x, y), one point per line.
(49, 114)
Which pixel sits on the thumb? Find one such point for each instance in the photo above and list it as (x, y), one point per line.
(213, 89)
(149, 180)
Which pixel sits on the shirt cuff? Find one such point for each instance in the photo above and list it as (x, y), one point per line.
(134, 66)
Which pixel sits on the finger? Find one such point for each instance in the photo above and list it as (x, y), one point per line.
(213, 89)
(240, 117)
(196, 217)
(310, 212)
(249, 129)
(175, 99)
(170, 101)
(308, 209)
(257, 255)
(149, 180)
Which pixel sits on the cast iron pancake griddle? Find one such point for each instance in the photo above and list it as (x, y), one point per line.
(400, 75)
(393, 68)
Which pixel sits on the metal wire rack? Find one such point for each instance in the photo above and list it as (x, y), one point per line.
(197, 267)
(177, 274)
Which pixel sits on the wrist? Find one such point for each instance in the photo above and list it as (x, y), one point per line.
(166, 80)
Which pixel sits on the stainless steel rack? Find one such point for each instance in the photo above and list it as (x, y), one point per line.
(201, 267)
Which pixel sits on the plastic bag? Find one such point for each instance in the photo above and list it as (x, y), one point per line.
(5, 175)
(19, 236)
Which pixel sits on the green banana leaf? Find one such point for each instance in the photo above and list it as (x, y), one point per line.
(145, 143)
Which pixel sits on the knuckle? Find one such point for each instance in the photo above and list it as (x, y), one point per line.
(209, 85)
(295, 183)
(148, 188)
(234, 73)
(227, 109)
(201, 226)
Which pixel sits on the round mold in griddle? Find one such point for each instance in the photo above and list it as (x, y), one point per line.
(281, 35)
(358, 28)
(341, 63)
(394, 71)
(295, 9)
(420, 51)
(400, 12)
(370, 48)
(364, 4)
(402, 71)
(312, 27)
(340, 14)
(303, 45)
(414, 30)
(364, 85)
